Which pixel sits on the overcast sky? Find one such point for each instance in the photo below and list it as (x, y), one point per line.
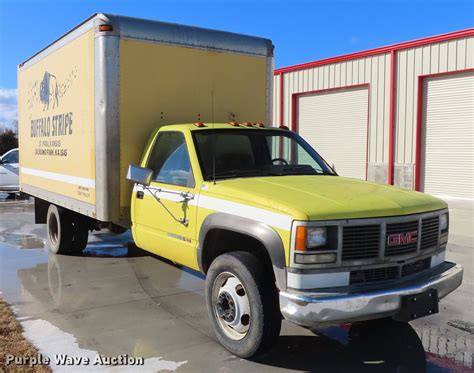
(302, 31)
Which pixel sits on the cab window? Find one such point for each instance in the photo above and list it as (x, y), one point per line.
(169, 160)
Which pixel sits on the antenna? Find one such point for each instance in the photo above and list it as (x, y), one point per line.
(213, 140)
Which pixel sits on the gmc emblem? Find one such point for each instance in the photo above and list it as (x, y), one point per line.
(399, 239)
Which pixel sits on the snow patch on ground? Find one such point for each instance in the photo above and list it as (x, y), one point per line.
(52, 341)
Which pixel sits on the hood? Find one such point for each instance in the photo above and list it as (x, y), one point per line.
(308, 197)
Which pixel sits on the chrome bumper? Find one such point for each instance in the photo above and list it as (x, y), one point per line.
(311, 309)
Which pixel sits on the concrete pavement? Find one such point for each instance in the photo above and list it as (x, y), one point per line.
(117, 300)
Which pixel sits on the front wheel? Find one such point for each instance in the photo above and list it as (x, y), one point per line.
(242, 303)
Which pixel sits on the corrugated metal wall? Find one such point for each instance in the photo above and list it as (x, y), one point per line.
(375, 70)
(453, 55)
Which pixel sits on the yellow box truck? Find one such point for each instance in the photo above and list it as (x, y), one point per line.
(89, 101)
(257, 210)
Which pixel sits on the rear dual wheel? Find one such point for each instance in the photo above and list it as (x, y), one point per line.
(242, 303)
(68, 232)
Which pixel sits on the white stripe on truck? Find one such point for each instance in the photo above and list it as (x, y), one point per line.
(81, 181)
(271, 218)
(317, 280)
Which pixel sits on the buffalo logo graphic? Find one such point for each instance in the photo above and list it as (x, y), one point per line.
(49, 91)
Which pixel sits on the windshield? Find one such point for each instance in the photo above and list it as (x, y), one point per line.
(249, 153)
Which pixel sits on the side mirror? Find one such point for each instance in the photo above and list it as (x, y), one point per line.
(139, 175)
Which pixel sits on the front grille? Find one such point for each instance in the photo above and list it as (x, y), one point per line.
(388, 273)
(360, 242)
(429, 232)
(394, 228)
(363, 241)
(409, 269)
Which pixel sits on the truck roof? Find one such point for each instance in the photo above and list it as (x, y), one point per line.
(166, 33)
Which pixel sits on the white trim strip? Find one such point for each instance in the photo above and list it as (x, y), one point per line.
(87, 183)
(317, 280)
(239, 209)
(245, 211)
(166, 194)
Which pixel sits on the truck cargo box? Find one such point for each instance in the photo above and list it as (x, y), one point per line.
(89, 101)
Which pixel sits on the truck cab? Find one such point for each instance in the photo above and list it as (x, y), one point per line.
(278, 233)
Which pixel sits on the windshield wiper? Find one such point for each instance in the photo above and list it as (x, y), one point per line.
(242, 173)
(300, 171)
(271, 171)
(295, 170)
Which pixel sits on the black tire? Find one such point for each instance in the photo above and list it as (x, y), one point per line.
(117, 229)
(265, 317)
(80, 233)
(60, 229)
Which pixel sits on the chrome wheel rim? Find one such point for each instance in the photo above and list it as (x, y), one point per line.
(231, 305)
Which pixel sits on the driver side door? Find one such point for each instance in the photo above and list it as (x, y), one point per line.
(165, 212)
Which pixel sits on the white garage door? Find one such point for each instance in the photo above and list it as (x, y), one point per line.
(335, 124)
(447, 165)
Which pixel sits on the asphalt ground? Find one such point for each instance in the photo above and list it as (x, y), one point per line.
(116, 300)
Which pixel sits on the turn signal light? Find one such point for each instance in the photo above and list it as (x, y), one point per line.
(260, 124)
(105, 28)
(200, 124)
(284, 128)
(300, 239)
(235, 124)
(248, 124)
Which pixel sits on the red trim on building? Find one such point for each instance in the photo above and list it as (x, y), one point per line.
(282, 97)
(419, 126)
(281, 120)
(380, 50)
(391, 139)
(419, 120)
(294, 111)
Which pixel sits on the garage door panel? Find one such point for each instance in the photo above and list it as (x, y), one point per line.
(335, 124)
(447, 164)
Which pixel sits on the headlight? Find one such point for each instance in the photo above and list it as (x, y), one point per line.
(443, 222)
(316, 237)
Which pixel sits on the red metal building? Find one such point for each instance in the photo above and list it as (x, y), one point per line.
(401, 114)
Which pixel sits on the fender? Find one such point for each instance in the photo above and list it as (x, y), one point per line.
(267, 236)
